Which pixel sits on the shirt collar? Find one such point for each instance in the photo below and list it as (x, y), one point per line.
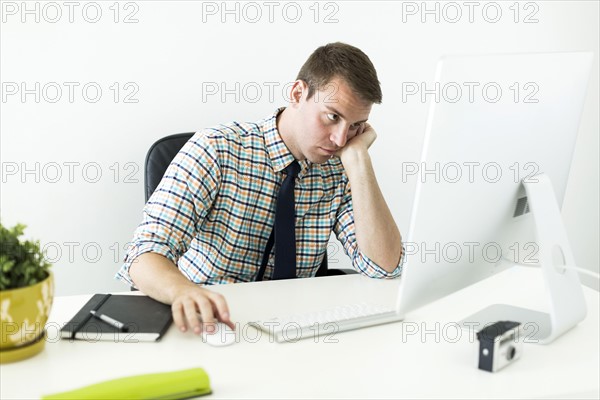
(278, 152)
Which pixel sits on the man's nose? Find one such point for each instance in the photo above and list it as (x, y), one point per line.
(340, 136)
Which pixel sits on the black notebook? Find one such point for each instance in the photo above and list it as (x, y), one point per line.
(142, 318)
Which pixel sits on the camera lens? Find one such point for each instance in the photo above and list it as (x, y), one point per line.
(510, 354)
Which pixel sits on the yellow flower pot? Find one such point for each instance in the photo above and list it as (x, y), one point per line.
(23, 315)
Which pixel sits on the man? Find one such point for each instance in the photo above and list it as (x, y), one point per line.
(211, 219)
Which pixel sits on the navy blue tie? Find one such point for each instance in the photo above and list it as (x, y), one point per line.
(284, 231)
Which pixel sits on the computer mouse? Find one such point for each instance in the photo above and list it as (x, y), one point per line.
(222, 336)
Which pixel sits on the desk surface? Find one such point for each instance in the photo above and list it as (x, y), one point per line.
(424, 356)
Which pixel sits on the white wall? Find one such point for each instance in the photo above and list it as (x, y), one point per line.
(175, 50)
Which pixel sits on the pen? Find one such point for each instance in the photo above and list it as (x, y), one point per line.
(102, 317)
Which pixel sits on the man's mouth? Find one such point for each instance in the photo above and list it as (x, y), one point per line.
(328, 151)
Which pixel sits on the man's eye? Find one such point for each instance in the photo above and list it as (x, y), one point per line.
(355, 126)
(332, 117)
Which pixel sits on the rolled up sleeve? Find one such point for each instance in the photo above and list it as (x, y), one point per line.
(180, 202)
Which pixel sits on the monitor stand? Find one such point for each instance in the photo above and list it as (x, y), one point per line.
(567, 304)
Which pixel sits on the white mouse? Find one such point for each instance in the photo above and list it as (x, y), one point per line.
(222, 336)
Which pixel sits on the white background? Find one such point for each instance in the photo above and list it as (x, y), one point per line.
(169, 53)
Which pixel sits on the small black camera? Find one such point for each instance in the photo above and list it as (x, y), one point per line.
(499, 345)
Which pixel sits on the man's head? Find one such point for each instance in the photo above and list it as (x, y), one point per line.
(348, 63)
(330, 100)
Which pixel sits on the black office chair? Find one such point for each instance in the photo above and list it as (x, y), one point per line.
(160, 155)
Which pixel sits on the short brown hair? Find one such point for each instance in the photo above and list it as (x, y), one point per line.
(346, 62)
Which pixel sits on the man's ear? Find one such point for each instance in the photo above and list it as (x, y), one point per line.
(299, 89)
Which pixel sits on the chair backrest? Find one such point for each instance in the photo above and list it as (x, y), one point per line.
(159, 157)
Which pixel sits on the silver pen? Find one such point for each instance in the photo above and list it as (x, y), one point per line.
(102, 317)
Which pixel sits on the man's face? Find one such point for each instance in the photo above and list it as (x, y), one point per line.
(328, 120)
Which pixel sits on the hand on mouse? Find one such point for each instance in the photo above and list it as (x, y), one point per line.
(190, 301)
(159, 278)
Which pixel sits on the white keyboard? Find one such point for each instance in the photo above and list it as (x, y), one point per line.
(291, 328)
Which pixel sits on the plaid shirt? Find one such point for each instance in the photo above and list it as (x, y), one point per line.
(214, 209)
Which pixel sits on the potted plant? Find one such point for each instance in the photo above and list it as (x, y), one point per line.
(26, 293)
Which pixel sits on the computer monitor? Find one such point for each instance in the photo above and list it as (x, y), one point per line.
(492, 178)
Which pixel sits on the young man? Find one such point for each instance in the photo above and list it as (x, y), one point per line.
(211, 219)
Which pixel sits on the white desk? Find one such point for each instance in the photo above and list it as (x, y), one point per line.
(377, 362)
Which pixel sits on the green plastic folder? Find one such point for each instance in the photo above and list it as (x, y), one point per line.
(166, 385)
